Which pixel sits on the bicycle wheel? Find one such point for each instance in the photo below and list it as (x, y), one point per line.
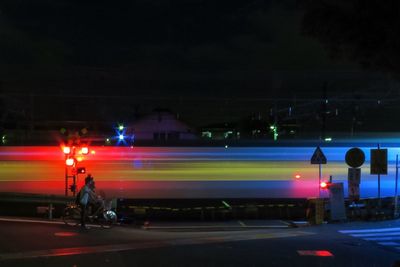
(71, 216)
(107, 219)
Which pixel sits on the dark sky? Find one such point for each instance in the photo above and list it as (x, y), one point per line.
(206, 59)
(183, 34)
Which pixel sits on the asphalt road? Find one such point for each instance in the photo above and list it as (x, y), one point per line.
(43, 244)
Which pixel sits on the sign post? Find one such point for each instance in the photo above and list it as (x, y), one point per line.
(379, 165)
(318, 158)
(396, 205)
(355, 158)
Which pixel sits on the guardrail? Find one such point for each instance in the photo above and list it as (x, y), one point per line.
(203, 209)
(212, 209)
(45, 204)
(371, 209)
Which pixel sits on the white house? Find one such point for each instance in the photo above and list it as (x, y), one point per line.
(161, 125)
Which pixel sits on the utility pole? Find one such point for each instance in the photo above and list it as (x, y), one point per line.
(324, 110)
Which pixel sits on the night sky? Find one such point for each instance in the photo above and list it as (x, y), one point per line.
(209, 61)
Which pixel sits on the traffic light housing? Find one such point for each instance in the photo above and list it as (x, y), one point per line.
(81, 170)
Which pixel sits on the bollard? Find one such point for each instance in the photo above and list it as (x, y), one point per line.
(315, 211)
(319, 211)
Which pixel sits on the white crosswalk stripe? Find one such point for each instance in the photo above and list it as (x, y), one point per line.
(388, 237)
(377, 234)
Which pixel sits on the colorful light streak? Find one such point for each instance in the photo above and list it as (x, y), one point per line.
(174, 172)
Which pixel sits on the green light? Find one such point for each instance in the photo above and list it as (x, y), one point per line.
(328, 139)
(227, 134)
(226, 204)
(120, 127)
(206, 134)
(4, 139)
(274, 130)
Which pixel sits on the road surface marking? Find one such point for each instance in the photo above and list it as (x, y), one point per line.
(388, 243)
(387, 238)
(377, 230)
(377, 234)
(43, 222)
(382, 236)
(29, 220)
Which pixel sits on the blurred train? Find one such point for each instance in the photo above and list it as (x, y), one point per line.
(282, 171)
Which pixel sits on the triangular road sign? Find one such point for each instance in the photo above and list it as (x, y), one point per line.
(318, 157)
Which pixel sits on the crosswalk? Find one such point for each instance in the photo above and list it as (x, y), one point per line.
(389, 237)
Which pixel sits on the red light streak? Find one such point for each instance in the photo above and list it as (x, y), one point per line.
(317, 253)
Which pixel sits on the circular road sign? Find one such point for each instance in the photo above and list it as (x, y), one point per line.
(355, 157)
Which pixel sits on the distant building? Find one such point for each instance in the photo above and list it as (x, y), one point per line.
(161, 126)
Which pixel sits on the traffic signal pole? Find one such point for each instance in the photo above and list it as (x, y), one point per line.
(71, 169)
(379, 184)
(66, 179)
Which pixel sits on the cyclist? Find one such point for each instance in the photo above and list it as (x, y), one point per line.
(87, 195)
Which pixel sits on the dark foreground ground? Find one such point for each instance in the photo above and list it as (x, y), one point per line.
(270, 243)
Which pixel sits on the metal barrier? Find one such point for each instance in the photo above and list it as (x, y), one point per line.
(213, 209)
(45, 203)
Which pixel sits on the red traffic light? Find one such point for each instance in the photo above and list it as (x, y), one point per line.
(67, 150)
(85, 150)
(70, 162)
(325, 185)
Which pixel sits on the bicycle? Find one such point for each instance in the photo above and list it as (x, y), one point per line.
(103, 215)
